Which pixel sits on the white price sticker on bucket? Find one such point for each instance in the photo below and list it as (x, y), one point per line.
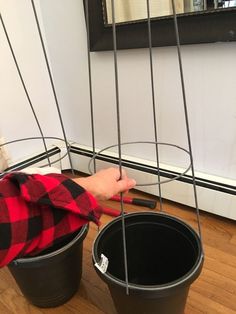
(103, 264)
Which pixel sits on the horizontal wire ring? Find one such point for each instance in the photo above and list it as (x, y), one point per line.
(144, 142)
(38, 138)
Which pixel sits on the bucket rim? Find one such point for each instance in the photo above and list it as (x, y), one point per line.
(184, 280)
(24, 260)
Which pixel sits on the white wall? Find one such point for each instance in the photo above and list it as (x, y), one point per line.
(210, 87)
(16, 118)
(209, 76)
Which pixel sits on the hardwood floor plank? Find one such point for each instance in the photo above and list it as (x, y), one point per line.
(219, 280)
(233, 240)
(81, 305)
(205, 305)
(220, 256)
(99, 298)
(220, 268)
(16, 303)
(214, 292)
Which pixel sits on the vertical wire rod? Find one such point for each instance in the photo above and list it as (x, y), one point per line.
(90, 84)
(25, 89)
(119, 144)
(186, 116)
(154, 103)
(52, 84)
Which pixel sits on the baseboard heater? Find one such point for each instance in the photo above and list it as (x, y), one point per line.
(37, 160)
(215, 195)
(226, 188)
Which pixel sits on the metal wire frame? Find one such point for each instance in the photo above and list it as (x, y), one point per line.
(36, 138)
(90, 84)
(118, 123)
(159, 182)
(119, 145)
(155, 126)
(186, 115)
(24, 87)
(52, 83)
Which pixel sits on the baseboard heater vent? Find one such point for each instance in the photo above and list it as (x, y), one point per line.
(37, 160)
(216, 195)
(221, 187)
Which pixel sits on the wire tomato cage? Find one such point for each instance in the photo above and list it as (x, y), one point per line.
(155, 141)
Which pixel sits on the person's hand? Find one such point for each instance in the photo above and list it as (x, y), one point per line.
(106, 183)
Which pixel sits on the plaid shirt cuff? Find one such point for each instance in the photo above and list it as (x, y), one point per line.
(37, 210)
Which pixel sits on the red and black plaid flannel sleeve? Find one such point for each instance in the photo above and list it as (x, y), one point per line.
(37, 210)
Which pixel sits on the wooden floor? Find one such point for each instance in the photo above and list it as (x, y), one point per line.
(213, 292)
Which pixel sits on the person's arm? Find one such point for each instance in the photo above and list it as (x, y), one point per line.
(36, 210)
(106, 183)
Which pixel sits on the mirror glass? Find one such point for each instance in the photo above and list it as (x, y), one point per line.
(128, 11)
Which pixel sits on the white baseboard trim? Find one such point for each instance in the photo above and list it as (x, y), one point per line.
(215, 194)
(36, 160)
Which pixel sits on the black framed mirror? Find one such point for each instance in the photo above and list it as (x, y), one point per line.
(205, 26)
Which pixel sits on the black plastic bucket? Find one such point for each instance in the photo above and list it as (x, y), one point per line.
(164, 257)
(51, 278)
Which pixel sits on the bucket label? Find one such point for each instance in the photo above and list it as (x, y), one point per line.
(103, 264)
